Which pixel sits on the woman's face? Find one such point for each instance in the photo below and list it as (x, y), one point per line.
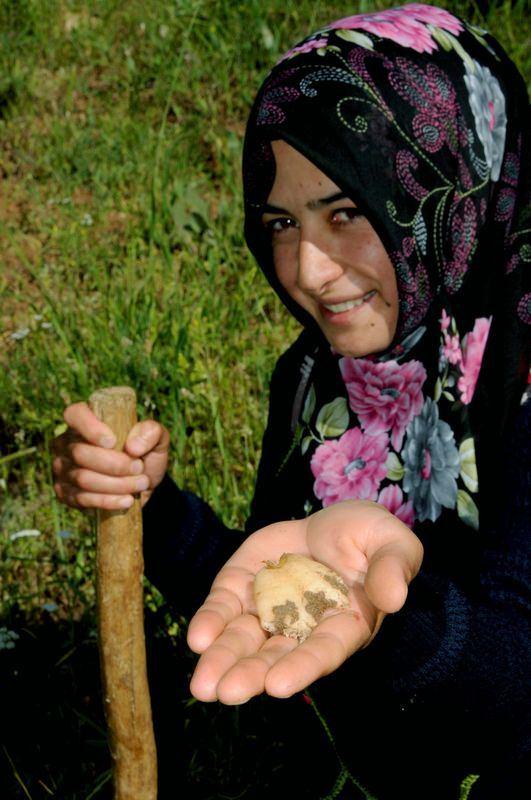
(329, 258)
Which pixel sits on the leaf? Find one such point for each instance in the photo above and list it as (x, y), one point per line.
(421, 232)
(356, 38)
(411, 340)
(456, 44)
(467, 509)
(22, 534)
(440, 36)
(268, 39)
(305, 444)
(438, 390)
(395, 469)
(478, 33)
(391, 209)
(309, 405)
(469, 472)
(332, 420)
(449, 396)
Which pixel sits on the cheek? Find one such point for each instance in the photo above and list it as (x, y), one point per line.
(285, 266)
(390, 285)
(385, 272)
(390, 298)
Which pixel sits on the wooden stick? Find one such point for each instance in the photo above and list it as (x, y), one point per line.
(120, 566)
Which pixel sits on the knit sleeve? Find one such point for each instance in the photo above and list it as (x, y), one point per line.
(185, 545)
(469, 648)
(280, 491)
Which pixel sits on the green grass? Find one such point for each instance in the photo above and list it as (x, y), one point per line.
(123, 261)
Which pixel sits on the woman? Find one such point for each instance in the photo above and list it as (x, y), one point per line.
(386, 176)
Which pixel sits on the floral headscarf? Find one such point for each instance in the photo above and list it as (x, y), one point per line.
(422, 120)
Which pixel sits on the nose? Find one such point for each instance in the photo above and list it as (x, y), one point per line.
(317, 267)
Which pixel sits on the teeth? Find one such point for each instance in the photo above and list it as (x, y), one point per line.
(349, 304)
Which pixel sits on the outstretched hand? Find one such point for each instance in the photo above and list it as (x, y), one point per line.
(373, 551)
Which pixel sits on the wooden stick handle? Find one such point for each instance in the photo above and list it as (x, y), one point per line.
(120, 566)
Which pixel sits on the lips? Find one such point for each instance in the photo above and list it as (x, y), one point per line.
(336, 310)
(345, 305)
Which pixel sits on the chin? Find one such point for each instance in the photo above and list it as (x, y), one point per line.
(360, 349)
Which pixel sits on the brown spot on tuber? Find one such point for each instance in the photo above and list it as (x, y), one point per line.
(317, 604)
(284, 615)
(337, 583)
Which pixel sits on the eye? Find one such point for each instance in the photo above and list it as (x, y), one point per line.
(276, 227)
(342, 216)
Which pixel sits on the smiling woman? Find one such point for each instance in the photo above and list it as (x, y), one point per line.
(386, 183)
(329, 258)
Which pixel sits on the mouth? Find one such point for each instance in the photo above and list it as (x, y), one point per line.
(337, 312)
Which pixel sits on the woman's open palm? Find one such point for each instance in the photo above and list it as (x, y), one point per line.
(372, 550)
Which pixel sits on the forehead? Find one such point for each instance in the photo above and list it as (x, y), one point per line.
(295, 175)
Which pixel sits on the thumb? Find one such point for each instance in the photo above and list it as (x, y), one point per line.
(387, 579)
(147, 436)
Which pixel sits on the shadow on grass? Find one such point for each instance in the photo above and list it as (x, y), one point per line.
(53, 736)
(52, 729)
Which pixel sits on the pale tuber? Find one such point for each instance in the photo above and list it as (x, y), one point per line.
(292, 595)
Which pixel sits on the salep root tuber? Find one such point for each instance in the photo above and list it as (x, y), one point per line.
(292, 595)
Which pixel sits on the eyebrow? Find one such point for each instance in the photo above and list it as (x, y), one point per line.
(311, 205)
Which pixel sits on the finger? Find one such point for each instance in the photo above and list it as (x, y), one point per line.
(90, 481)
(335, 639)
(73, 497)
(389, 534)
(147, 436)
(349, 533)
(360, 533)
(221, 607)
(388, 576)
(395, 557)
(83, 420)
(242, 637)
(337, 536)
(98, 459)
(61, 443)
(60, 465)
(246, 678)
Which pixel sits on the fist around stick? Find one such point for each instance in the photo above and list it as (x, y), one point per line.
(90, 474)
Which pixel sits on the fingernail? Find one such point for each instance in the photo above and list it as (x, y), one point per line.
(107, 441)
(126, 502)
(142, 483)
(241, 702)
(137, 467)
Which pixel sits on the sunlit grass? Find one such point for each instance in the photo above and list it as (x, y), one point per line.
(123, 262)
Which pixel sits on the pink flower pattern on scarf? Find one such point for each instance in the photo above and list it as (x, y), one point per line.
(438, 121)
(473, 348)
(392, 498)
(445, 321)
(350, 468)
(385, 395)
(452, 349)
(406, 26)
